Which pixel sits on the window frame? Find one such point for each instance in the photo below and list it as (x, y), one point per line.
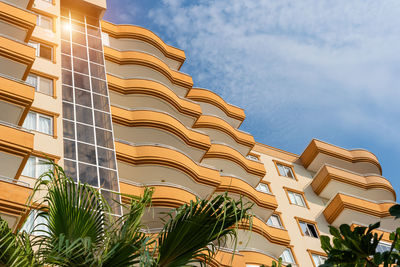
(300, 193)
(37, 45)
(307, 222)
(277, 215)
(286, 165)
(50, 114)
(37, 119)
(292, 254)
(39, 20)
(37, 163)
(315, 253)
(264, 184)
(38, 77)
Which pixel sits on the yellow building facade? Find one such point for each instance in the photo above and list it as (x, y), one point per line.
(109, 104)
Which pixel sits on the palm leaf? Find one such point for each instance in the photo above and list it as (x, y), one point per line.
(194, 230)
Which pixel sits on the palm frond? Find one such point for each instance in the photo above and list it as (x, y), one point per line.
(194, 231)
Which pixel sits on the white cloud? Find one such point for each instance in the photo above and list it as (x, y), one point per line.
(303, 68)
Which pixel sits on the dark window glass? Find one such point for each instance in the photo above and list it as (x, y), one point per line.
(101, 102)
(81, 81)
(85, 133)
(99, 86)
(46, 51)
(86, 153)
(113, 200)
(67, 93)
(94, 42)
(69, 149)
(93, 30)
(84, 115)
(108, 179)
(104, 138)
(96, 56)
(81, 66)
(70, 169)
(68, 111)
(79, 51)
(78, 38)
(102, 120)
(88, 174)
(66, 77)
(106, 158)
(66, 62)
(65, 47)
(68, 129)
(83, 98)
(97, 71)
(78, 26)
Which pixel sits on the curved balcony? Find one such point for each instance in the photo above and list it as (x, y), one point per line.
(16, 98)
(16, 22)
(230, 161)
(319, 153)
(350, 209)
(213, 104)
(133, 64)
(329, 180)
(265, 203)
(16, 58)
(130, 37)
(147, 126)
(221, 131)
(16, 146)
(224, 258)
(152, 164)
(140, 93)
(13, 200)
(263, 237)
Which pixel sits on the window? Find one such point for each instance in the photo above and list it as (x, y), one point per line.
(41, 84)
(252, 157)
(38, 122)
(285, 170)
(35, 167)
(308, 229)
(318, 259)
(44, 22)
(296, 199)
(263, 188)
(287, 256)
(275, 221)
(43, 51)
(382, 247)
(105, 38)
(35, 225)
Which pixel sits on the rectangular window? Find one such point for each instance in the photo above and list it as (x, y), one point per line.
(296, 199)
(318, 259)
(41, 84)
(275, 221)
(38, 122)
(287, 256)
(263, 188)
(35, 225)
(35, 167)
(308, 229)
(44, 22)
(285, 170)
(383, 247)
(42, 50)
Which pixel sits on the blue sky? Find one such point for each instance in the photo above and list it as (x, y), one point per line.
(300, 69)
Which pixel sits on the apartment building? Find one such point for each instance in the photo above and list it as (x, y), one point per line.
(109, 104)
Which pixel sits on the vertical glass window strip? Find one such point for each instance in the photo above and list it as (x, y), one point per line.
(88, 138)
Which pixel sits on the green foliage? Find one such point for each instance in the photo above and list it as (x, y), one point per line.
(82, 232)
(358, 247)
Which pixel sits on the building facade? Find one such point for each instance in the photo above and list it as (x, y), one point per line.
(109, 104)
